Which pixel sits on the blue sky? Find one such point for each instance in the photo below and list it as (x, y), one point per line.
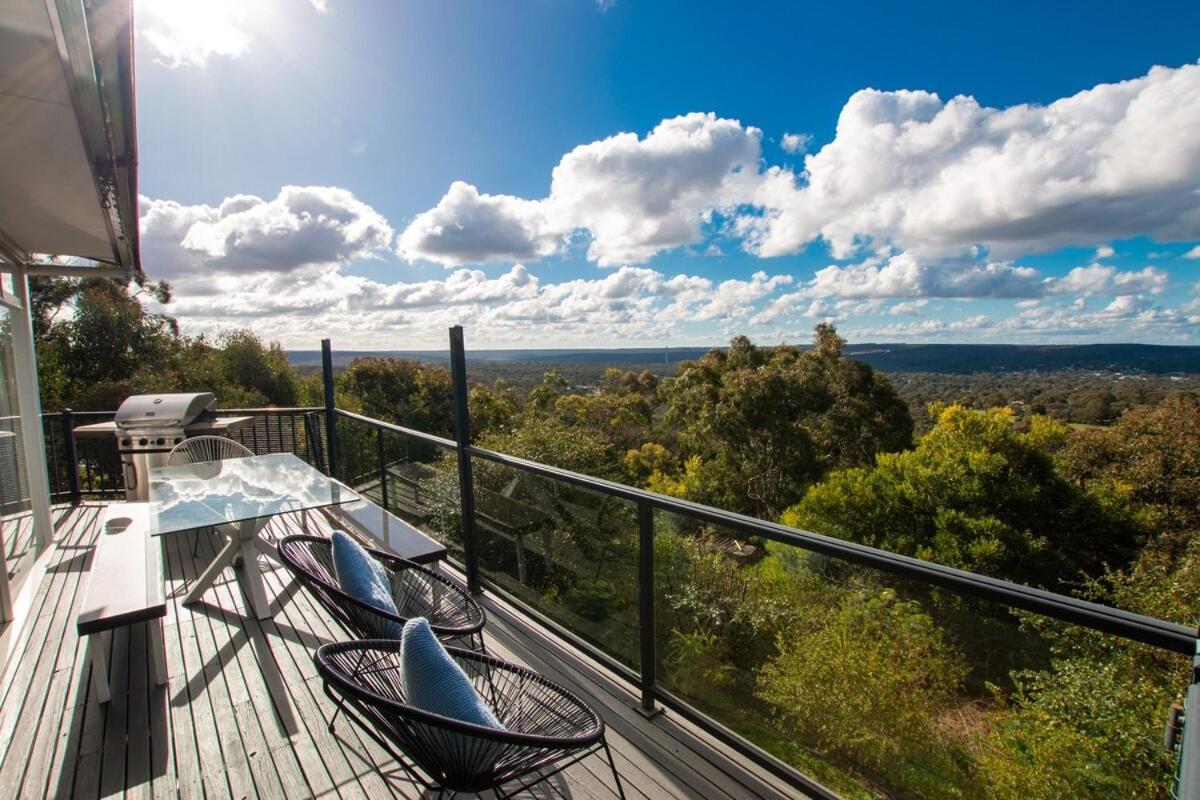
(421, 141)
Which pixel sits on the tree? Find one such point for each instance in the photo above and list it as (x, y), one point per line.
(1150, 458)
(398, 390)
(976, 494)
(260, 373)
(108, 348)
(493, 409)
(762, 424)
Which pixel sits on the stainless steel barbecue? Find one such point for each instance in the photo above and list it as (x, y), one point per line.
(148, 426)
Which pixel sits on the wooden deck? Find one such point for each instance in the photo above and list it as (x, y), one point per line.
(244, 714)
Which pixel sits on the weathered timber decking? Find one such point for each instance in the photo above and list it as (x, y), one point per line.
(244, 714)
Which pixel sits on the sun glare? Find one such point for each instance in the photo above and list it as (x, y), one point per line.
(185, 32)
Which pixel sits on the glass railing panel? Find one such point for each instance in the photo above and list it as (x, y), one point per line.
(413, 479)
(419, 484)
(878, 686)
(568, 552)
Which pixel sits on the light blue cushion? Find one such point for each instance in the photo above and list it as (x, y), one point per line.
(363, 578)
(434, 682)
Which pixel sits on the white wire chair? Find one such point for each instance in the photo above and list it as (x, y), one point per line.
(202, 450)
(199, 449)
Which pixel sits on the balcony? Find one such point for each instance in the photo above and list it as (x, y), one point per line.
(577, 575)
(243, 714)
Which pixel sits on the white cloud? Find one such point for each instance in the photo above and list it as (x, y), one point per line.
(927, 198)
(634, 198)
(280, 266)
(467, 227)
(818, 309)
(1086, 281)
(1193, 253)
(302, 226)
(796, 143)
(907, 275)
(1098, 279)
(915, 172)
(1148, 279)
(910, 307)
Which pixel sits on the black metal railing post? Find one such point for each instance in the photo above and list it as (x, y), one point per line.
(72, 458)
(645, 516)
(383, 498)
(330, 407)
(462, 439)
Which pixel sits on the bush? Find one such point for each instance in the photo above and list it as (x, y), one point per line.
(866, 686)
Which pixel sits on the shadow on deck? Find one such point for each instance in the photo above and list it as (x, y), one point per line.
(244, 714)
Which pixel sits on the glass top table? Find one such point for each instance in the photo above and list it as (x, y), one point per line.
(237, 497)
(213, 493)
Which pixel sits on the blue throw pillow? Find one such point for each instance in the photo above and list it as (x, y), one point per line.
(363, 578)
(434, 682)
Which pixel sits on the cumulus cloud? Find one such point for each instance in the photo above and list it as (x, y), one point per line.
(908, 308)
(796, 143)
(633, 198)
(301, 226)
(1098, 279)
(917, 172)
(925, 197)
(908, 275)
(468, 227)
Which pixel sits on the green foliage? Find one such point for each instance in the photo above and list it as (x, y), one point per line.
(408, 393)
(591, 599)
(260, 372)
(763, 424)
(1150, 458)
(867, 684)
(861, 680)
(493, 409)
(698, 663)
(977, 494)
(108, 347)
(1083, 728)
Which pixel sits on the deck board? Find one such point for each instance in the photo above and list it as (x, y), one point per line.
(244, 713)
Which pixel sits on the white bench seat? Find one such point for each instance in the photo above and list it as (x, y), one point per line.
(125, 586)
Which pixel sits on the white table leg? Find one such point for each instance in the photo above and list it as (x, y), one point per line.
(158, 650)
(249, 575)
(99, 658)
(209, 576)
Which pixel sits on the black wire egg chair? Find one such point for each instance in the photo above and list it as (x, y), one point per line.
(416, 590)
(546, 727)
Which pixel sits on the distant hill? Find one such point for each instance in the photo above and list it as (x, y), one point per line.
(945, 358)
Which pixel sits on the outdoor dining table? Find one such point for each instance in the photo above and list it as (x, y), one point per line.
(238, 496)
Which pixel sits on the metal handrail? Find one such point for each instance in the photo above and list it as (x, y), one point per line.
(1137, 627)
(420, 436)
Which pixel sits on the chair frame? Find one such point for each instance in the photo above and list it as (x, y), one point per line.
(350, 693)
(223, 447)
(364, 621)
(218, 443)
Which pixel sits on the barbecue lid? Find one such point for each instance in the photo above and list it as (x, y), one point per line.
(154, 410)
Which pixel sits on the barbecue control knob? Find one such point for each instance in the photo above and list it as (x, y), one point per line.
(177, 440)
(142, 442)
(159, 442)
